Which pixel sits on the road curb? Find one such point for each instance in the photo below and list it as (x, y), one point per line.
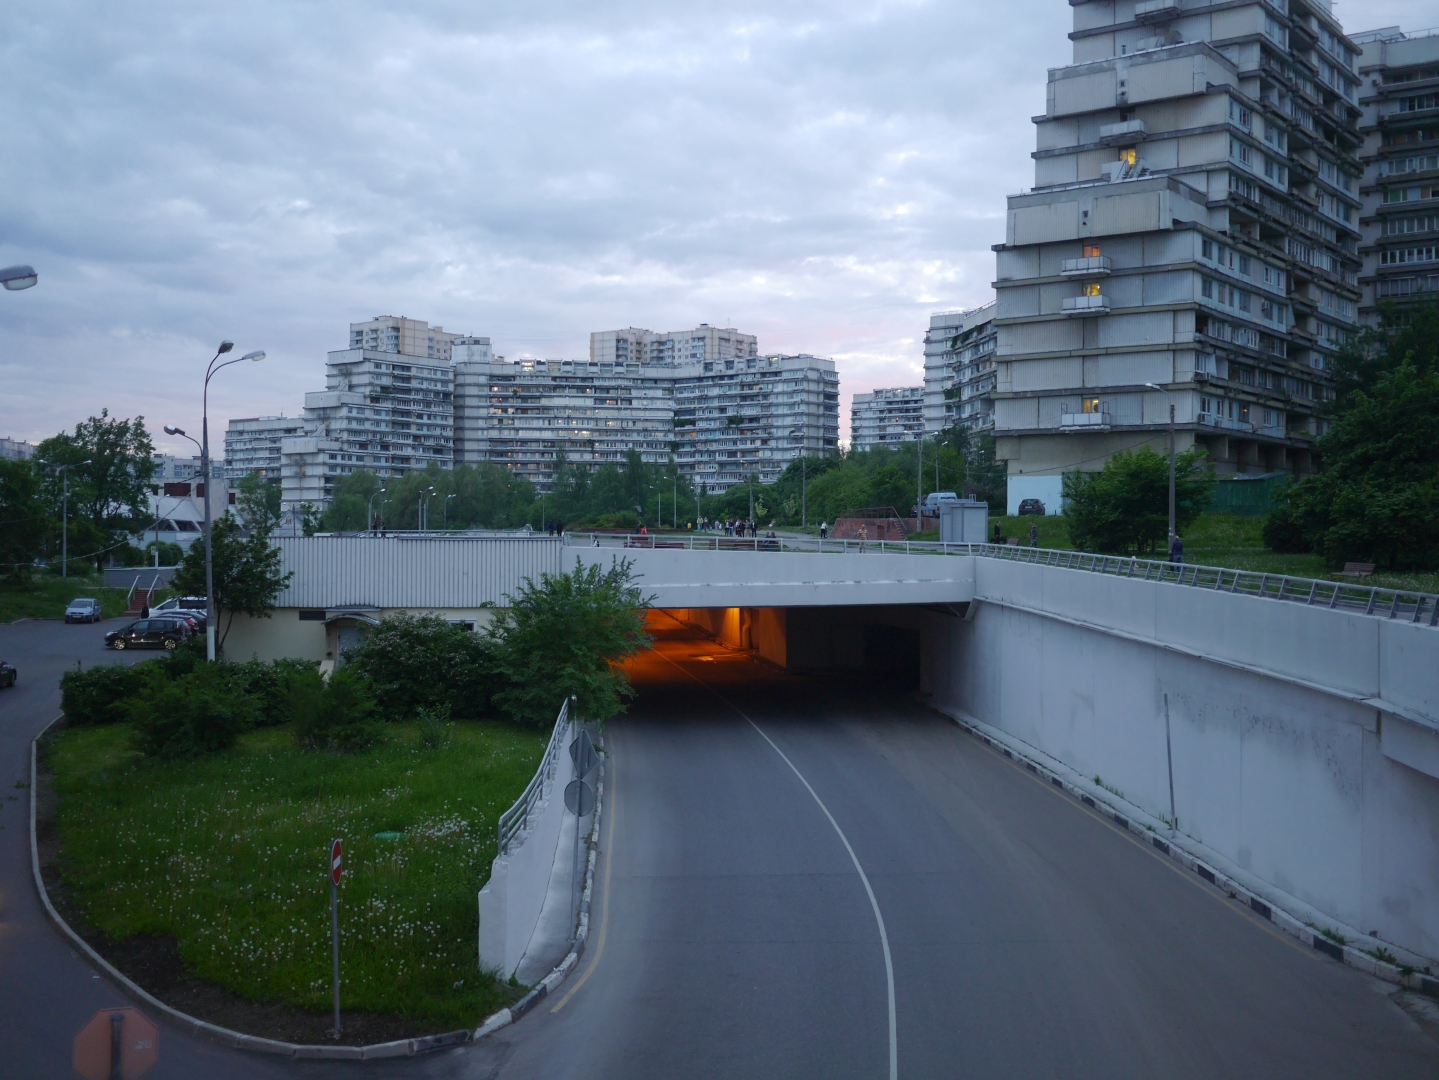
(546, 986)
(195, 1026)
(1269, 904)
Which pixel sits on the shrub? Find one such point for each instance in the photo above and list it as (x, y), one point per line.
(199, 713)
(98, 696)
(268, 684)
(435, 728)
(413, 662)
(1284, 533)
(1125, 508)
(337, 713)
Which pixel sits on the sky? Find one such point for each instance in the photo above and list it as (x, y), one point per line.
(822, 175)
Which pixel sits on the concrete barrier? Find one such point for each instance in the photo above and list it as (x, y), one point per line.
(511, 900)
(1305, 742)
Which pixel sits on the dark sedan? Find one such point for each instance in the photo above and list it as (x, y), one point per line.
(8, 674)
(166, 633)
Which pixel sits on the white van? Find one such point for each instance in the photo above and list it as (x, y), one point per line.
(935, 499)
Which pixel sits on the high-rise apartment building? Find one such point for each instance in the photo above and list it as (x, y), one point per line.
(413, 337)
(723, 419)
(959, 369)
(1400, 99)
(704, 342)
(16, 450)
(253, 444)
(1192, 240)
(886, 417)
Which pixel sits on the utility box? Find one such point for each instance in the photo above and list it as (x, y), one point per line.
(964, 521)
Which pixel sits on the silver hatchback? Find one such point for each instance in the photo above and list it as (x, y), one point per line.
(83, 610)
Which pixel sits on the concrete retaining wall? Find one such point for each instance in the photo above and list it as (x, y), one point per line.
(511, 900)
(1305, 741)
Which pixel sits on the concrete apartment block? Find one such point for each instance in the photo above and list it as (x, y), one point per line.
(885, 417)
(1400, 126)
(1194, 224)
(252, 444)
(413, 337)
(959, 369)
(704, 342)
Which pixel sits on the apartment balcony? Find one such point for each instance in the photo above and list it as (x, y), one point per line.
(1224, 423)
(1156, 10)
(1126, 133)
(1090, 266)
(1086, 305)
(1084, 421)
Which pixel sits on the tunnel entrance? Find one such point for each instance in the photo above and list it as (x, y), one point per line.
(891, 655)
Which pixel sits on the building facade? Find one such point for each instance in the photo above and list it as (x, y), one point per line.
(253, 444)
(1400, 99)
(886, 417)
(16, 450)
(703, 343)
(959, 369)
(1192, 239)
(412, 337)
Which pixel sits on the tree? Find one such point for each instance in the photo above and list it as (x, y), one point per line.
(1409, 333)
(1124, 509)
(23, 517)
(414, 662)
(566, 635)
(258, 501)
(246, 571)
(1377, 499)
(110, 495)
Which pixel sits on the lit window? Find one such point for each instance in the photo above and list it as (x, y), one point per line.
(1090, 404)
(1091, 288)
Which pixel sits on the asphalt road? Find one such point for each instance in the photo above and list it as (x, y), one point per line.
(735, 937)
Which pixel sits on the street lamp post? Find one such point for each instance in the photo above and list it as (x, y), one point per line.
(65, 514)
(370, 510)
(210, 372)
(803, 469)
(1170, 399)
(445, 511)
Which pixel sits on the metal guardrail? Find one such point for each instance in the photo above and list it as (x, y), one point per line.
(514, 820)
(1407, 604)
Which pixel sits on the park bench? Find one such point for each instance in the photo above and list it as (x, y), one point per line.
(1357, 570)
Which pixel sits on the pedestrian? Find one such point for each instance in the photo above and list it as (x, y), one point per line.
(1176, 551)
(863, 537)
(1033, 534)
(998, 535)
(824, 530)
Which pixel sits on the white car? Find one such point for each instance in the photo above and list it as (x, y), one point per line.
(83, 609)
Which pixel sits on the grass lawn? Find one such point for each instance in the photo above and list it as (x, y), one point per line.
(230, 856)
(45, 596)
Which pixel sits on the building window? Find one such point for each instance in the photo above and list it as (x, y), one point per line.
(1091, 251)
(1091, 288)
(1089, 404)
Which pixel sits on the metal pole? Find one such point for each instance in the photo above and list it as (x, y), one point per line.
(209, 561)
(65, 523)
(335, 946)
(117, 1045)
(1169, 755)
(1171, 474)
(919, 484)
(803, 492)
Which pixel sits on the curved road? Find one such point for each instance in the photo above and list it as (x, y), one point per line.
(735, 935)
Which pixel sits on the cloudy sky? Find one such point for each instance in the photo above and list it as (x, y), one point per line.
(823, 175)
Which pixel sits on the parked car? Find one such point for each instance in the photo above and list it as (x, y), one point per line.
(8, 675)
(83, 610)
(935, 499)
(1031, 506)
(179, 603)
(166, 632)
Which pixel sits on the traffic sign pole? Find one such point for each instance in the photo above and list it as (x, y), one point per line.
(337, 869)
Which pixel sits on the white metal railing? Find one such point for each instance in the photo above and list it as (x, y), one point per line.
(1411, 605)
(1085, 305)
(514, 821)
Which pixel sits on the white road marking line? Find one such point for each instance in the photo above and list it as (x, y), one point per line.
(873, 903)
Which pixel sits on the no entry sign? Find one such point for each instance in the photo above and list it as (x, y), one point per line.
(337, 862)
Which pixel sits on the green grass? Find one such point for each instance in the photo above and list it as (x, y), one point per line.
(45, 597)
(229, 854)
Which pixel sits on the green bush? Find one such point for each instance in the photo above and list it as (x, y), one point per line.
(1284, 533)
(416, 662)
(337, 713)
(99, 695)
(199, 713)
(1124, 509)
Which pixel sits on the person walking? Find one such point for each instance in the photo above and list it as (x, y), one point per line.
(1176, 551)
(863, 537)
(998, 535)
(1033, 534)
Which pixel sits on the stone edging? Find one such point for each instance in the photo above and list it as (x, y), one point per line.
(505, 1017)
(1165, 842)
(194, 1026)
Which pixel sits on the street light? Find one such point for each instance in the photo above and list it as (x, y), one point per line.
(803, 469)
(65, 512)
(445, 511)
(210, 372)
(1156, 386)
(16, 278)
(421, 509)
(370, 510)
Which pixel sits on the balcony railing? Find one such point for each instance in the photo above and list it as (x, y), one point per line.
(1086, 305)
(1089, 266)
(1126, 131)
(1084, 420)
(1156, 10)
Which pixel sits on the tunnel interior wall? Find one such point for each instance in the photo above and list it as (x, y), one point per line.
(1298, 786)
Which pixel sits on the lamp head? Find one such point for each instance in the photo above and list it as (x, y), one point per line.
(16, 278)
(171, 429)
(1154, 386)
(225, 346)
(257, 355)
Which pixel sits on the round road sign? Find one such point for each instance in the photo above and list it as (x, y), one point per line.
(337, 862)
(579, 798)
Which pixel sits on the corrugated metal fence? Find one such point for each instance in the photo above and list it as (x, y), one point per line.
(411, 572)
